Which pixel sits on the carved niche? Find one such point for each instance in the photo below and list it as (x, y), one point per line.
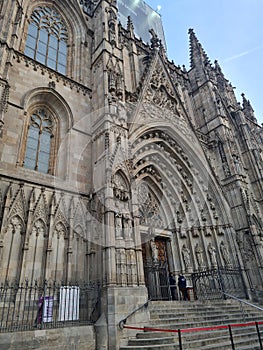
(120, 187)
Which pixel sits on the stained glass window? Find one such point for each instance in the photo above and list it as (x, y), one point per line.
(47, 39)
(38, 146)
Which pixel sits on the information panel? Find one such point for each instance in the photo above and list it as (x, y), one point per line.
(69, 303)
(143, 17)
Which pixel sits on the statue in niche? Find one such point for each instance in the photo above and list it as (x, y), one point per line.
(226, 169)
(237, 163)
(225, 254)
(150, 232)
(120, 188)
(179, 217)
(208, 232)
(212, 206)
(118, 225)
(17, 225)
(186, 256)
(154, 250)
(128, 226)
(199, 255)
(212, 254)
(38, 229)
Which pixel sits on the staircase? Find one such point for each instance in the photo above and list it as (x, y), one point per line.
(184, 314)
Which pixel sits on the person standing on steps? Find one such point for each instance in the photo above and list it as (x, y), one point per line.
(172, 283)
(182, 287)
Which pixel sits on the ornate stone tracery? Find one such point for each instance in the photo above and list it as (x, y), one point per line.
(150, 211)
(179, 169)
(120, 187)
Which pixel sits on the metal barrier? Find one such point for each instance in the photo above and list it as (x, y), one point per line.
(211, 284)
(47, 305)
(206, 284)
(157, 280)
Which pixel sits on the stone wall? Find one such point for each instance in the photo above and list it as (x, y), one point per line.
(70, 338)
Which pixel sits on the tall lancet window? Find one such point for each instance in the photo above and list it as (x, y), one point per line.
(39, 141)
(47, 39)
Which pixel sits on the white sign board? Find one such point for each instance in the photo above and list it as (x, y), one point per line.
(69, 303)
(48, 309)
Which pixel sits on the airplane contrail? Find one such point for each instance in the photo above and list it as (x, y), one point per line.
(242, 54)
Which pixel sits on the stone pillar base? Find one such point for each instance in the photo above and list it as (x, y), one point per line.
(121, 301)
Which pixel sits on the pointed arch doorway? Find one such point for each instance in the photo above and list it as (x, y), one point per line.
(157, 263)
(156, 241)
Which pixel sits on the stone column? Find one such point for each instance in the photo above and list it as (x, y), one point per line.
(109, 250)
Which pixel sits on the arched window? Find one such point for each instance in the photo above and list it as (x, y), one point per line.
(47, 39)
(39, 141)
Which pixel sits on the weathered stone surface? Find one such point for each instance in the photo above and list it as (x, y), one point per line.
(79, 338)
(122, 168)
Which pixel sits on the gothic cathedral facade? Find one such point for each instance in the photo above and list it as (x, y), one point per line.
(115, 162)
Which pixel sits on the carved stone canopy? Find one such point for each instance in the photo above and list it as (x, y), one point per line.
(120, 187)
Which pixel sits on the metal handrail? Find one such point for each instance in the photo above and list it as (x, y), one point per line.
(243, 301)
(124, 320)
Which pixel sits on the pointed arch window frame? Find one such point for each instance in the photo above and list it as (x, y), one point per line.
(49, 125)
(47, 38)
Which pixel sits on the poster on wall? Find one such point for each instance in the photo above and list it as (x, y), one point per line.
(48, 303)
(143, 18)
(69, 303)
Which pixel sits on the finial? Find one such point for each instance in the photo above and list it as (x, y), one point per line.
(218, 68)
(155, 41)
(130, 26)
(246, 103)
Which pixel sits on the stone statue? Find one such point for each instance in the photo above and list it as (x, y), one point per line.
(154, 250)
(237, 163)
(199, 255)
(118, 225)
(186, 256)
(225, 253)
(128, 226)
(212, 254)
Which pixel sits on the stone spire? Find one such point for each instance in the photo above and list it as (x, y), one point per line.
(247, 109)
(225, 87)
(198, 57)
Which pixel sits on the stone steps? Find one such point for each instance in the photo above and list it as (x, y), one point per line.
(156, 340)
(150, 347)
(177, 318)
(222, 339)
(174, 324)
(182, 315)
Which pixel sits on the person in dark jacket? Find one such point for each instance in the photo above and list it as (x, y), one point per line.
(172, 283)
(182, 287)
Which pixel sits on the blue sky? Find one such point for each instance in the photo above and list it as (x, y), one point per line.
(230, 31)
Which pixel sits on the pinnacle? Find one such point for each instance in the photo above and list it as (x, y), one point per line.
(198, 55)
(130, 26)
